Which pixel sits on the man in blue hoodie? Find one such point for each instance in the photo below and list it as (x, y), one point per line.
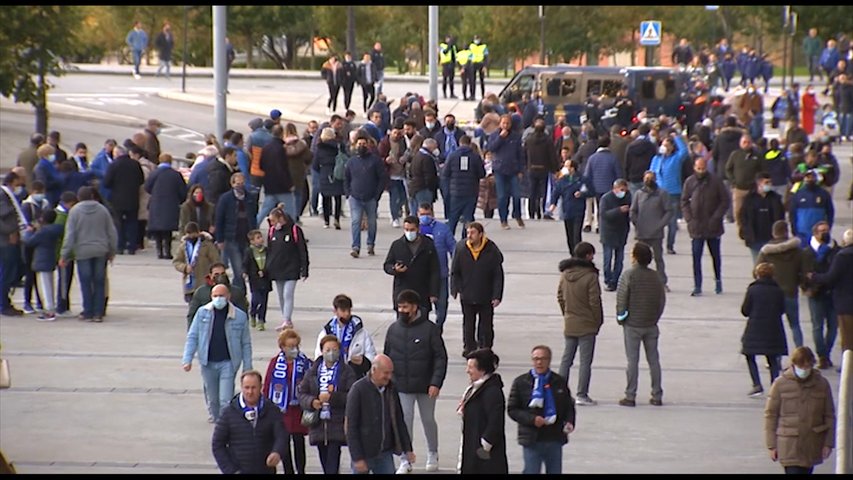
(363, 185)
(667, 165)
(137, 40)
(507, 165)
(442, 237)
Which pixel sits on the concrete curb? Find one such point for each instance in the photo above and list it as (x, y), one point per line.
(261, 110)
(56, 110)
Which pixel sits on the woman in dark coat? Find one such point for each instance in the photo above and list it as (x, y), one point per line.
(328, 434)
(483, 410)
(287, 260)
(167, 189)
(764, 334)
(331, 188)
(197, 209)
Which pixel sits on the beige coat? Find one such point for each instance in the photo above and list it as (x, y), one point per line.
(147, 168)
(207, 256)
(579, 296)
(799, 418)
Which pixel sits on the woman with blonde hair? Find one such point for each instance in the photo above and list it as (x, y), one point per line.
(285, 371)
(764, 334)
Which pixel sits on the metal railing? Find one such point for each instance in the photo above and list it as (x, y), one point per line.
(844, 420)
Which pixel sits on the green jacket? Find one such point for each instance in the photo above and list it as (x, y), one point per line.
(61, 218)
(812, 46)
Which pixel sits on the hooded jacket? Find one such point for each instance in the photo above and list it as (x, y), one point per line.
(89, 232)
(651, 210)
(840, 279)
(579, 296)
(419, 355)
(764, 305)
(787, 260)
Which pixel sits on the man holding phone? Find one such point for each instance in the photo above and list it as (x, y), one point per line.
(413, 261)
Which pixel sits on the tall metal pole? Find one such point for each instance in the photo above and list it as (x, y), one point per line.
(219, 67)
(433, 53)
(184, 67)
(542, 34)
(784, 59)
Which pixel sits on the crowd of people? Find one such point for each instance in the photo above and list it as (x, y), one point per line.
(712, 168)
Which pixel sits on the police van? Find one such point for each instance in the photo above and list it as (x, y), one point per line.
(565, 89)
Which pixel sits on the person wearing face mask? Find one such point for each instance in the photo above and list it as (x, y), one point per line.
(287, 261)
(202, 296)
(196, 209)
(32, 208)
(431, 124)
(810, 205)
(12, 223)
(423, 174)
(761, 208)
(763, 334)
(413, 262)
(193, 259)
(818, 255)
(839, 278)
(235, 218)
(285, 372)
(445, 245)
(220, 335)
(650, 212)
(324, 390)
(704, 202)
(357, 347)
(615, 224)
(799, 416)
(573, 189)
(741, 169)
(462, 173)
(415, 346)
(667, 165)
(364, 181)
(47, 173)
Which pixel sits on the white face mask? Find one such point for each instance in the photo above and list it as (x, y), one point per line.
(662, 150)
(802, 373)
(430, 125)
(411, 236)
(564, 170)
(436, 152)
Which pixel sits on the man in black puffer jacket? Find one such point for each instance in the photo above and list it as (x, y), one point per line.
(413, 261)
(249, 437)
(542, 432)
(420, 360)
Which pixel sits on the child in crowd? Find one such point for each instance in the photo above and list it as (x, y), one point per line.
(43, 238)
(254, 266)
(32, 208)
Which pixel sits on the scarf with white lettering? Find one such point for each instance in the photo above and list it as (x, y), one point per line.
(281, 393)
(192, 259)
(251, 413)
(344, 334)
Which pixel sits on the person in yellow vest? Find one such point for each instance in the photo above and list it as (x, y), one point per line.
(463, 58)
(480, 58)
(447, 59)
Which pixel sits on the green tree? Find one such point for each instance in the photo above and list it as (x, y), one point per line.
(36, 40)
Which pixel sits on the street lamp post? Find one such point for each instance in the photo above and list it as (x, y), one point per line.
(184, 67)
(433, 52)
(542, 34)
(219, 67)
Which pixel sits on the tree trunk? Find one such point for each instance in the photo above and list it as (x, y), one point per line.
(249, 48)
(290, 55)
(423, 50)
(41, 101)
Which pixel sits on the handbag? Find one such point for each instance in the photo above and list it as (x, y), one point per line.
(5, 376)
(310, 418)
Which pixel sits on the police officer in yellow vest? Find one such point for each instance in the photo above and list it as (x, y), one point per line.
(480, 58)
(447, 59)
(463, 58)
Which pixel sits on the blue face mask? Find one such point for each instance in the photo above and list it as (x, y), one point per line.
(411, 236)
(425, 219)
(802, 373)
(219, 302)
(38, 197)
(620, 194)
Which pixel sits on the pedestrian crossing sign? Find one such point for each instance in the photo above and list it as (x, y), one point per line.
(650, 32)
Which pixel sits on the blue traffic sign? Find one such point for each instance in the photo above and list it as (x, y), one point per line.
(650, 32)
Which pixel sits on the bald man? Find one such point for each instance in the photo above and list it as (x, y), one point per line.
(221, 348)
(372, 443)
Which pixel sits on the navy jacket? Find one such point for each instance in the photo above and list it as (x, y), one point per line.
(226, 216)
(47, 173)
(365, 177)
(44, 241)
(464, 183)
(573, 208)
(602, 169)
(508, 157)
(840, 279)
(614, 223)
(240, 447)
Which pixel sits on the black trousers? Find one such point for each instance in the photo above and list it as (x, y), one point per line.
(163, 238)
(466, 72)
(348, 88)
(573, 232)
(481, 69)
(63, 287)
(333, 96)
(298, 455)
(327, 207)
(485, 328)
(369, 93)
(538, 189)
(447, 73)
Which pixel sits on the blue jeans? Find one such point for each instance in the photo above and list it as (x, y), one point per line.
(271, 200)
(315, 191)
(396, 198)
(234, 251)
(506, 186)
(137, 59)
(382, 464)
(792, 312)
(672, 228)
(219, 385)
(845, 123)
(549, 453)
(461, 208)
(613, 266)
(823, 313)
(9, 260)
(419, 197)
(357, 209)
(441, 303)
(92, 273)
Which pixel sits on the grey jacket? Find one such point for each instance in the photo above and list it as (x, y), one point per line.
(650, 212)
(641, 293)
(89, 232)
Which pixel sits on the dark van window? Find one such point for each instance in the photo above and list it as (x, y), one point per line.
(561, 87)
(609, 88)
(518, 89)
(657, 88)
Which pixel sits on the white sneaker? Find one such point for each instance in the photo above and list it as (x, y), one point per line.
(137, 76)
(432, 462)
(395, 223)
(405, 468)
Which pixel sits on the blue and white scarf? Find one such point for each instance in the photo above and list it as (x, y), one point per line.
(450, 144)
(281, 393)
(327, 376)
(344, 334)
(543, 397)
(251, 413)
(192, 258)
